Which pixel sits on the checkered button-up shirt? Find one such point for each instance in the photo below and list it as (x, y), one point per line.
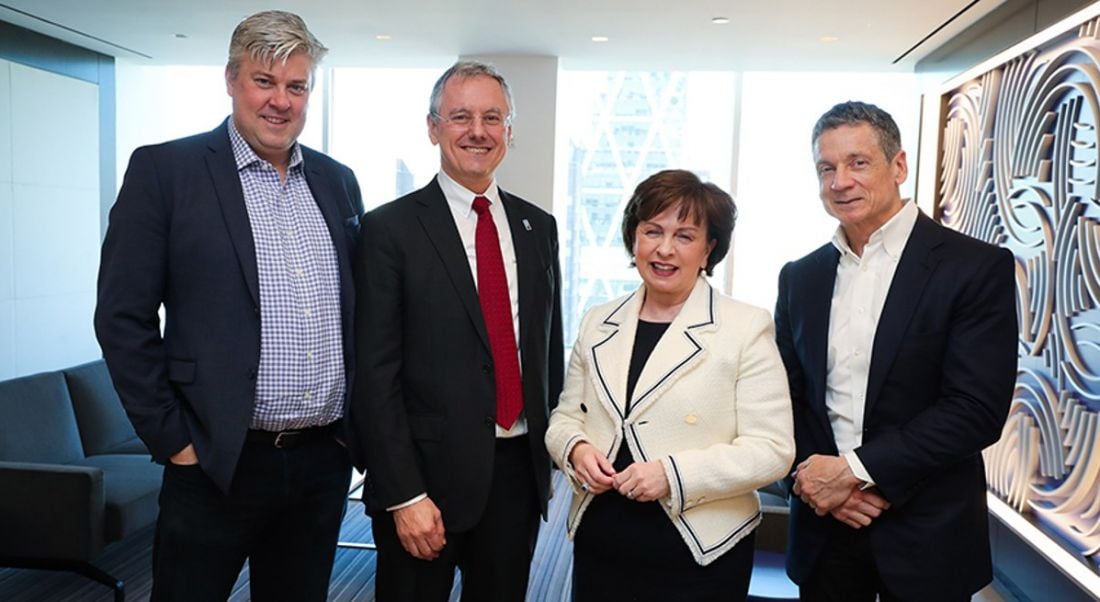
(301, 381)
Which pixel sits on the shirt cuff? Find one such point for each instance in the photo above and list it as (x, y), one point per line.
(859, 470)
(422, 496)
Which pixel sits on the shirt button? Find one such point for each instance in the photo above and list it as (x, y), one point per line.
(301, 272)
(309, 395)
(309, 355)
(308, 312)
(691, 419)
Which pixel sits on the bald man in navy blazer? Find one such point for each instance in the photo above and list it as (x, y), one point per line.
(899, 339)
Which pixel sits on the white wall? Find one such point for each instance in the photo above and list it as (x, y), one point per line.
(528, 170)
(49, 219)
(159, 103)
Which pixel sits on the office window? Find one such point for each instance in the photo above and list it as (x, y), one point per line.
(781, 216)
(157, 103)
(614, 130)
(378, 128)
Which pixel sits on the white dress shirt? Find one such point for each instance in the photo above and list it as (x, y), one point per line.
(858, 298)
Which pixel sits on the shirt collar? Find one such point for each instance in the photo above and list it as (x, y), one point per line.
(245, 156)
(461, 199)
(893, 235)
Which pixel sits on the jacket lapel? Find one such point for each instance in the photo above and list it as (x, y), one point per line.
(610, 354)
(681, 347)
(227, 187)
(816, 305)
(527, 261)
(328, 201)
(916, 265)
(436, 219)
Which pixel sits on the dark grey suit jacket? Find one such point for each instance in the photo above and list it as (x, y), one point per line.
(179, 235)
(424, 406)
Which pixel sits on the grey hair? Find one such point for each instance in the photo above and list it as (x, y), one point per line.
(854, 112)
(272, 35)
(466, 70)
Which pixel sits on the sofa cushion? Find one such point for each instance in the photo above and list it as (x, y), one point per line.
(104, 426)
(132, 484)
(37, 423)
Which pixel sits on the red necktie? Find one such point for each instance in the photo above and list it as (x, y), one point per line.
(496, 308)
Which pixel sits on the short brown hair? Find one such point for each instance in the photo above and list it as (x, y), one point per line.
(702, 201)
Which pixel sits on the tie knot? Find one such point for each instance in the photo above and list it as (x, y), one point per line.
(481, 205)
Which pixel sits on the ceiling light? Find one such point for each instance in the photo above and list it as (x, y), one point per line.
(829, 39)
(720, 20)
(383, 37)
(599, 38)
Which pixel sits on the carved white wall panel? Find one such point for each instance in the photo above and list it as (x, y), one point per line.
(1018, 168)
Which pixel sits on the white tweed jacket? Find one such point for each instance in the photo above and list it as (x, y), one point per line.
(711, 404)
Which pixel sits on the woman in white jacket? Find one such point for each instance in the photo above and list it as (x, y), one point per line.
(675, 410)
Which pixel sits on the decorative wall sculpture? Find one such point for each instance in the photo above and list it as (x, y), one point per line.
(1019, 168)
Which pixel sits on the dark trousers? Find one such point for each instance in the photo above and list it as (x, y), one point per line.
(494, 557)
(282, 513)
(630, 551)
(846, 570)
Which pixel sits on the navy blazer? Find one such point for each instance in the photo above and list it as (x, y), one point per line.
(942, 372)
(424, 407)
(179, 235)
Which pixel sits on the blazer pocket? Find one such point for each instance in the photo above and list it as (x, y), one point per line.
(426, 428)
(181, 372)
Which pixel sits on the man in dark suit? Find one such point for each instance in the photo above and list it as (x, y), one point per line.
(458, 330)
(899, 339)
(246, 238)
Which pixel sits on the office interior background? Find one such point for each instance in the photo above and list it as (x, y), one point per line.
(607, 92)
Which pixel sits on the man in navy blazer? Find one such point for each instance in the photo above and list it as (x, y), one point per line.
(245, 237)
(899, 339)
(453, 479)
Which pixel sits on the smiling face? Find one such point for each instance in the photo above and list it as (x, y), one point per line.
(269, 104)
(669, 253)
(858, 183)
(470, 152)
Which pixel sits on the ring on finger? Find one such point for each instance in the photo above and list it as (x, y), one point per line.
(584, 487)
(630, 494)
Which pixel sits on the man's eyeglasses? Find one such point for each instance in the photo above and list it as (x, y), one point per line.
(465, 120)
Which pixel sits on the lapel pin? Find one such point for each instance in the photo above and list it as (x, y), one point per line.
(526, 225)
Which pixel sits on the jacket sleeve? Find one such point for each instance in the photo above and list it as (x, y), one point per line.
(133, 275)
(377, 410)
(567, 425)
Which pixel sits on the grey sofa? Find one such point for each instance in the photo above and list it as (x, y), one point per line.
(74, 475)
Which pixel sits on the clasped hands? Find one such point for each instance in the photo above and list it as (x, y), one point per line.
(641, 481)
(826, 484)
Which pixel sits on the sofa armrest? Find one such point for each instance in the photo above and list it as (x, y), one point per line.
(53, 511)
